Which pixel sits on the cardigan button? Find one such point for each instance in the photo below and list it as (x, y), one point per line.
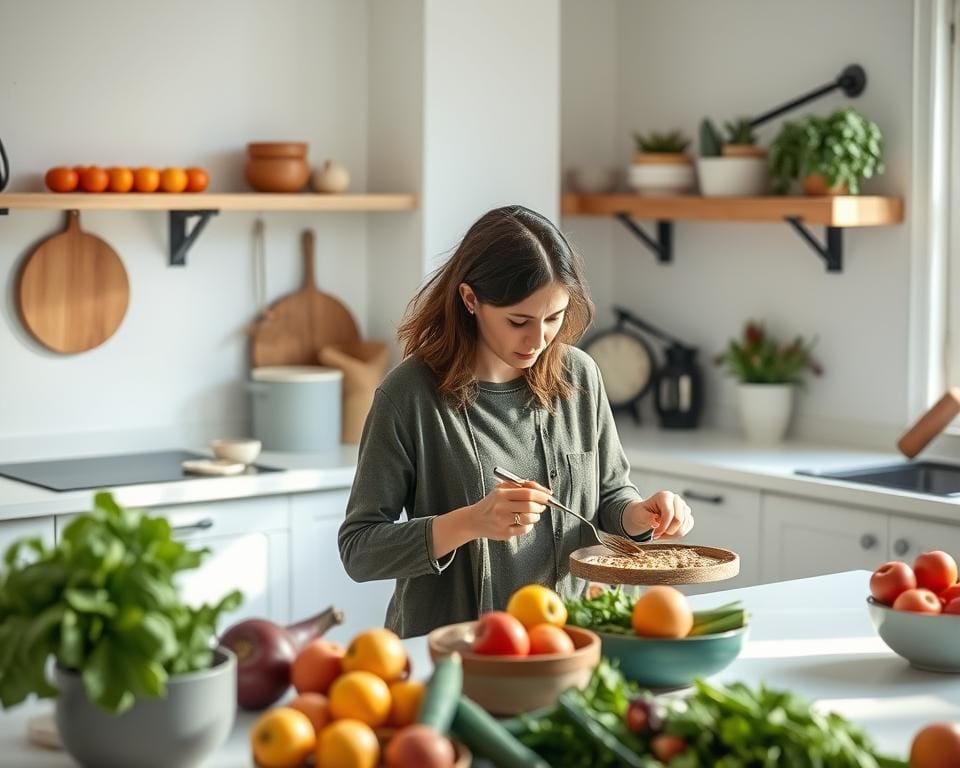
(553, 473)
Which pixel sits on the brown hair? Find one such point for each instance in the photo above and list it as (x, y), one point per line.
(508, 254)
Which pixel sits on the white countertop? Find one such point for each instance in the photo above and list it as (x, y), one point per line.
(811, 636)
(704, 454)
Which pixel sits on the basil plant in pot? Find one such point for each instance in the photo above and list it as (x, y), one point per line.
(136, 672)
(768, 372)
(828, 155)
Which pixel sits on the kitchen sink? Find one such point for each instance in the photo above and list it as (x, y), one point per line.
(929, 477)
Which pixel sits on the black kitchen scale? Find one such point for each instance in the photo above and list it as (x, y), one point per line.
(110, 471)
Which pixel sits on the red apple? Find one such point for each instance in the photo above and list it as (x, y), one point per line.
(953, 606)
(500, 634)
(917, 601)
(935, 571)
(889, 580)
(949, 594)
(549, 638)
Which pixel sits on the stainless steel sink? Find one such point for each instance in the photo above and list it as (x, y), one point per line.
(928, 477)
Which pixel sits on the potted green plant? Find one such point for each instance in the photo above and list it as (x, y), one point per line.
(732, 168)
(829, 155)
(661, 165)
(137, 674)
(768, 373)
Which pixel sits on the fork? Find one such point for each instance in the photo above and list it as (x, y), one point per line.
(619, 544)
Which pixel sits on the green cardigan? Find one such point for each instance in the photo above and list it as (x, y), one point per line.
(416, 456)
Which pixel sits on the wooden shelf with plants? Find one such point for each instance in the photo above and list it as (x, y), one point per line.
(835, 213)
(201, 206)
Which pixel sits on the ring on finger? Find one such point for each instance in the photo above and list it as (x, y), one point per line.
(516, 519)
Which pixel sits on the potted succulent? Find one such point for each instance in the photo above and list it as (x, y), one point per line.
(136, 673)
(736, 167)
(661, 165)
(829, 155)
(768, 373)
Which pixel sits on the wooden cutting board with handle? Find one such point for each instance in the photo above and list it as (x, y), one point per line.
(294, 329)
(72, 291)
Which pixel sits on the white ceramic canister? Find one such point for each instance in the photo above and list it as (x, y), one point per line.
(297, 408)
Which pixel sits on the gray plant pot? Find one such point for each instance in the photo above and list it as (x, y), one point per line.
(178, 731)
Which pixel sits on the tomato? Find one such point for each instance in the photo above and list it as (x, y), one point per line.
(282, 738)
(121, 179)
(547, 638)
(500, 634)
(936, 746)
(316, 666)
(935, 570)
(666, 746)
(62, 179)
(889, 580)
(197, 180)
(94, 179)
(917, 601)
(949, 594)
(173, 180)
(419, 746)
(146, 179)
(952, 607)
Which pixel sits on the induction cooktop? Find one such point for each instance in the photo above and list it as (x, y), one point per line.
(110, 471)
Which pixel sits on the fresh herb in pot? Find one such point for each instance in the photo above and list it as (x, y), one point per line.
(103, 602)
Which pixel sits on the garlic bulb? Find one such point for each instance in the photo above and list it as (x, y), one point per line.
(331, 177)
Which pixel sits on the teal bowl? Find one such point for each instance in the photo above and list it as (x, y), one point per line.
(929, 641)
(657, 663)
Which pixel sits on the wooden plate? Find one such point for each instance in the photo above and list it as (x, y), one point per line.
(727, 567)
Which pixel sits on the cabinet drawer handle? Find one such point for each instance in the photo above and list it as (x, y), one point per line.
(868, 541)
(201, 525)
(706, 497)
(901, 547)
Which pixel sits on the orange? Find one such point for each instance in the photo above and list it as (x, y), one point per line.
(315, 706)
(94, 179)
(146, 179)
(379, 651)
(282, 738)
(361, 696)
(662, 612)
(173, 180)
(936, 746)
(536, 604)
(348, 744)
(318, 664)
(197, 179)
(62, 179)
(406, 696)
(121, 179)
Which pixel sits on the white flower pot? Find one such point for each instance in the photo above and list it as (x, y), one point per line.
(765, 411)
(733, 176)
(662, 175)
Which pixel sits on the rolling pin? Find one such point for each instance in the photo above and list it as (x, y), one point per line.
(931, 424)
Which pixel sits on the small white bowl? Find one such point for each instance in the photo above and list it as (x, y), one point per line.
(927, 640)
(242, 449)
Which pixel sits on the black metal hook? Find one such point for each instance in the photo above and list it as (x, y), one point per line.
(4, 168)
(853, 81)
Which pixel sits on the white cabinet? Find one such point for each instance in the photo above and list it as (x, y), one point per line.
(724, 516)
(908, 538)
(31, 527)
(249, 543)
(801, 537)
(319, 578)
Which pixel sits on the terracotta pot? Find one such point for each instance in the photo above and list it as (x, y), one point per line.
(743, 150)
(277, 166)
(816, 184)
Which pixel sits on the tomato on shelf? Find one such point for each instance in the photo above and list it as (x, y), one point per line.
(62, 179)
(197, 179)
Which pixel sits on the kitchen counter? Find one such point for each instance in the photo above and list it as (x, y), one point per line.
(705, 454)
(811, 636)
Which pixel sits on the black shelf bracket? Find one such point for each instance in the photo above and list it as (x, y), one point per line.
(662, 246)
(180, 240)
(4, 211)
(831, 252)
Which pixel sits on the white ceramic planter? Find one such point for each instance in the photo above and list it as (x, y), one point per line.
(733, 176)
(765, 411)
(652, 178)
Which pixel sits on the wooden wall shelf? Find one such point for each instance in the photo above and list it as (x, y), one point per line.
(183, 207)
(834, 213)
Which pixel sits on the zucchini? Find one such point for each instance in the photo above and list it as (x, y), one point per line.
(443, 692)
(487, 738)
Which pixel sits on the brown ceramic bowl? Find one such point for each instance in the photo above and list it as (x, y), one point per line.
(509, 685)
(277, 166)
(277, 149)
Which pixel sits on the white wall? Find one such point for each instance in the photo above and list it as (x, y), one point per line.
(173, 83)
(682, 60)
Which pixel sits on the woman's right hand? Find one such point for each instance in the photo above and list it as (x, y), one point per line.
(509, 510)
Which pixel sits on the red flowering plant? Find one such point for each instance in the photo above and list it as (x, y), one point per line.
(758, 358)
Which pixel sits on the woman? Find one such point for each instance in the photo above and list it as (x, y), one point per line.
(490, 378)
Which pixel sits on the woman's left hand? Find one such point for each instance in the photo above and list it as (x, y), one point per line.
(666, 512)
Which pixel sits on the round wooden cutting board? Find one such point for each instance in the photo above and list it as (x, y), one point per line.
(72, 292)
(727, 565)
